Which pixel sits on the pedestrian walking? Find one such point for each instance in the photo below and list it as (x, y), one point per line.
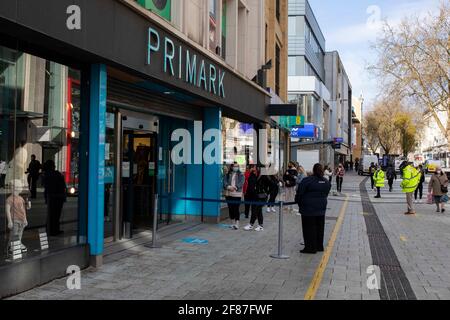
(328, 174)
(419, 191)
(391, 176)
(290, 183)
(438, 186)
(258, 189)
(371, 172)
(233, 184)
(411, 178)
(312, 198)
(378, 177)
(340, 173)
(356, 165)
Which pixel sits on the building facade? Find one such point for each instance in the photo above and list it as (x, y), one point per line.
(115, 120)
(357, 138)
(433, 145)
(340, 88)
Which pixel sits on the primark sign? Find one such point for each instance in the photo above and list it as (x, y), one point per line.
(185, 64)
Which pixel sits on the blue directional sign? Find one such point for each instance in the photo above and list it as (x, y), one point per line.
(195, 241)
(339, 140)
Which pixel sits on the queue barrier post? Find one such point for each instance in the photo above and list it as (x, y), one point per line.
(279, 254)
(154, 244)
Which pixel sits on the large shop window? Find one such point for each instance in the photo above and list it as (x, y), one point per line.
(39, 156)
(238, 143)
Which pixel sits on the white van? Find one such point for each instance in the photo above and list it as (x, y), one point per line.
(365, 163)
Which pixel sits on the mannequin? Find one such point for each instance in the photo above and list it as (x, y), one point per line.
(17, 166)
(16, 213)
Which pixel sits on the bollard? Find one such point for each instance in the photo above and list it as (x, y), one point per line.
(280, 254)
(154, 244)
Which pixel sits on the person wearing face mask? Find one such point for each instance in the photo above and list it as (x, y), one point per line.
(290, 182)
(233, 184)
(438, 186)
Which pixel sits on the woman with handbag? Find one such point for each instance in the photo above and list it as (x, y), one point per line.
(439, 187)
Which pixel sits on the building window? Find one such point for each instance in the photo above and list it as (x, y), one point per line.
(278, 9)
(162, 8)
(213, 26)
(277, 69)
(39, 155)
(224, 29)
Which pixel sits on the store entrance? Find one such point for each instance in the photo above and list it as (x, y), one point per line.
(138, 182)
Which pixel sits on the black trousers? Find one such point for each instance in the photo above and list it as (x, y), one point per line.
(32, 185)
(257, 213)
(313, 232)
(273, 196)
(54, 209)
(378, 192)
(247, 206)
(372, 182)
(339, 181)
(419, 191)
(391, 184)
(233, 209)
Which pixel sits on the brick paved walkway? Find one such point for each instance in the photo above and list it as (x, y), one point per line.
(237, 264)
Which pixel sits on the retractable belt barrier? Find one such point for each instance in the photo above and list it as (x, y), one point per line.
(279, 204)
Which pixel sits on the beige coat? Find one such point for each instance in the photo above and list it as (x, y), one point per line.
(435, 184)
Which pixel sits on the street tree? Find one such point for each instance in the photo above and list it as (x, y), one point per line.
(408, 132)
(370, 128)
(413, 63)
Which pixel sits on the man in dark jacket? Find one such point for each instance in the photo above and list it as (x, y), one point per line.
(34, 169)
(391, 176)
(312, 197)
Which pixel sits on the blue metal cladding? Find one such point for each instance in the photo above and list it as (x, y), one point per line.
(97, 130)
(212, 174)
(194, 172)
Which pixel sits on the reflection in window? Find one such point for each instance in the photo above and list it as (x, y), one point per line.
(39, 154)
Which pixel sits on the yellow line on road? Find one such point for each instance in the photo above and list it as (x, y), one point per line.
(403, 238)
(317, 279)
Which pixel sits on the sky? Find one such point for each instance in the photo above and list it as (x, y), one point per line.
(351, 26)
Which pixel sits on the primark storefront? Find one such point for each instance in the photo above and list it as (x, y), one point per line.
(87, 118)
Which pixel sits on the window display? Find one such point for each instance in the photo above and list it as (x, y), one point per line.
(39, 154)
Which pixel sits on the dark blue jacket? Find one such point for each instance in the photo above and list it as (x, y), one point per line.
(312, 196)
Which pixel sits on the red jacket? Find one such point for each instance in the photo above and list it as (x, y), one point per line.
(246, 175)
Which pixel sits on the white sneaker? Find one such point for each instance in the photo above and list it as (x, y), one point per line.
(23, 248)
(236, 225)
(273, 209)
(259, 228)
(248, 227)
(269, 210)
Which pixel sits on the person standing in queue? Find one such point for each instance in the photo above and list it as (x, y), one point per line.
(391, 176)
(378, 178)
(55, 194)
(233, 184)
(418, 194)
(258, 189)
(438, 186)
(244, 191)
(274, 189)
(290, 183)
(312, 199)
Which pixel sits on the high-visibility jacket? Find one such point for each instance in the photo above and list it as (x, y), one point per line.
(378, 177)
(411, 179)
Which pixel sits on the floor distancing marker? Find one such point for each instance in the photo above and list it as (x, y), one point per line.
(318, 275)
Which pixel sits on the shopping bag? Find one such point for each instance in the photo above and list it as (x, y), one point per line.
(430, 198)
(444, 198)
